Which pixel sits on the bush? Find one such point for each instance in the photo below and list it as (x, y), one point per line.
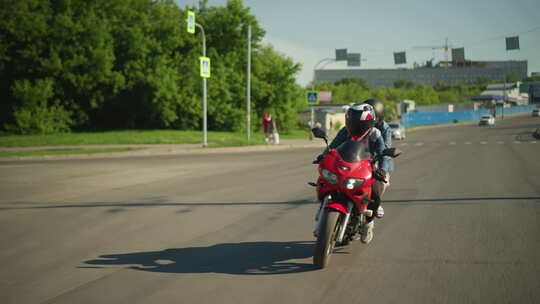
(41, 120)
(33, 114)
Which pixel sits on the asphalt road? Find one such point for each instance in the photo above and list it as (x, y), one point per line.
(462, 225)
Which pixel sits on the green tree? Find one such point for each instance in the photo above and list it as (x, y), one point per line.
(512, 77)
(404, 84)
(131, 64)
(274, 87)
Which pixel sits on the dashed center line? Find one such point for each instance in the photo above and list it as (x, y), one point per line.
(453, 143)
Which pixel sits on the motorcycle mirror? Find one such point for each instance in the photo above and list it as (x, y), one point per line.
(319, 133)
(392, 152)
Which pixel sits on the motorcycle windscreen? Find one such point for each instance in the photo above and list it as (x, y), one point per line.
(353, 151)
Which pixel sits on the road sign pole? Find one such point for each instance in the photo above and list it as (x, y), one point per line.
(205, 130)
(313, 88)
(248, 86)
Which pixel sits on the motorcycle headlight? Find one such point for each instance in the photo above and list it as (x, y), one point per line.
(330, 177)
(353, 183)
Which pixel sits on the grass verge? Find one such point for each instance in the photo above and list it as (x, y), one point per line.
(62, 152)
(215, 139)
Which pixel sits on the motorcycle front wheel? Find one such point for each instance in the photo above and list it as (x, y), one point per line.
(327, 238)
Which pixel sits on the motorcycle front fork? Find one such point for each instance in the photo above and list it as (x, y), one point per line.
(319, 215)
(344, 221)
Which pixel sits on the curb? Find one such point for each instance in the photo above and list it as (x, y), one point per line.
(162, 152)
(153, 150)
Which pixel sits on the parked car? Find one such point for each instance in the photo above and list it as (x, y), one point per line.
(398, 131)
(536, 112)
(487, 120)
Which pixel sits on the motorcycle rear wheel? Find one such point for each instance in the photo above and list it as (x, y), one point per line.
(327, 238)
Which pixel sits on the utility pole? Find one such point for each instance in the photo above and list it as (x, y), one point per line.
(248, 85)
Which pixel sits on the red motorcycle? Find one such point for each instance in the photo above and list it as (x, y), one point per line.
(344, 190)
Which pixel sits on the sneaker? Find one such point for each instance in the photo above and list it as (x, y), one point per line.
(367, 232)
(380, 212)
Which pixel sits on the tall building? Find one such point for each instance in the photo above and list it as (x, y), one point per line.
(468, 71)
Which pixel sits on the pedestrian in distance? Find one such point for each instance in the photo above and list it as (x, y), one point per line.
(271, 136)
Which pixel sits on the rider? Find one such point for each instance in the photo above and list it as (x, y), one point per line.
(386, 133)
(360, 124)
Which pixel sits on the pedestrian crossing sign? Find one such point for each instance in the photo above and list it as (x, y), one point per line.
(205, 67)
(191, 22)
(312, 97)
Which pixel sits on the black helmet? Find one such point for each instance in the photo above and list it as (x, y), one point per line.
(359, 120)
(378, 106)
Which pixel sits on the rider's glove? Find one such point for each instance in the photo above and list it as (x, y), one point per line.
(318, 159)
(380, 175)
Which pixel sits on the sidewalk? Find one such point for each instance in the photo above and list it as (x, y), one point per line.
(159, 149)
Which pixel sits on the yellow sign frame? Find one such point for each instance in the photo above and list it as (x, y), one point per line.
(205, 67)
(190, 22)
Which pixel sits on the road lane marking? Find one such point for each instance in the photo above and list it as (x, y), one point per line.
(500, 142)
(467, 142)
(533, 142)
(419, 144)
(403, 144)
(483, 142)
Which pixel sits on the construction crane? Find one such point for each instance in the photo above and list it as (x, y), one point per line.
(445, 47)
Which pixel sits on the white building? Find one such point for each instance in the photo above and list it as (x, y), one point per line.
(508, 92)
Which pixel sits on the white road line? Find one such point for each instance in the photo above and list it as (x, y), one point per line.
(403, 144)
(467, 142)
(533, 142)
(419, 144)
(500, 142)
(483, 142)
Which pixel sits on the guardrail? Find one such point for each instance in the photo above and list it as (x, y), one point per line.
(436, 118)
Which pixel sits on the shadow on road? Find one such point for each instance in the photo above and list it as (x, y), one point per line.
(248, 258)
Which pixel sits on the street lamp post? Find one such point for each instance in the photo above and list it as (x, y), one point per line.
(313, 88)
(315, 68)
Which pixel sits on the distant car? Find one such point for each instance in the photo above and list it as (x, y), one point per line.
(398, 131)
(487, 120)
(536, 112)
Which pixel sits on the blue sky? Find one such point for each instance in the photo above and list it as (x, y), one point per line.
(310, 30)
